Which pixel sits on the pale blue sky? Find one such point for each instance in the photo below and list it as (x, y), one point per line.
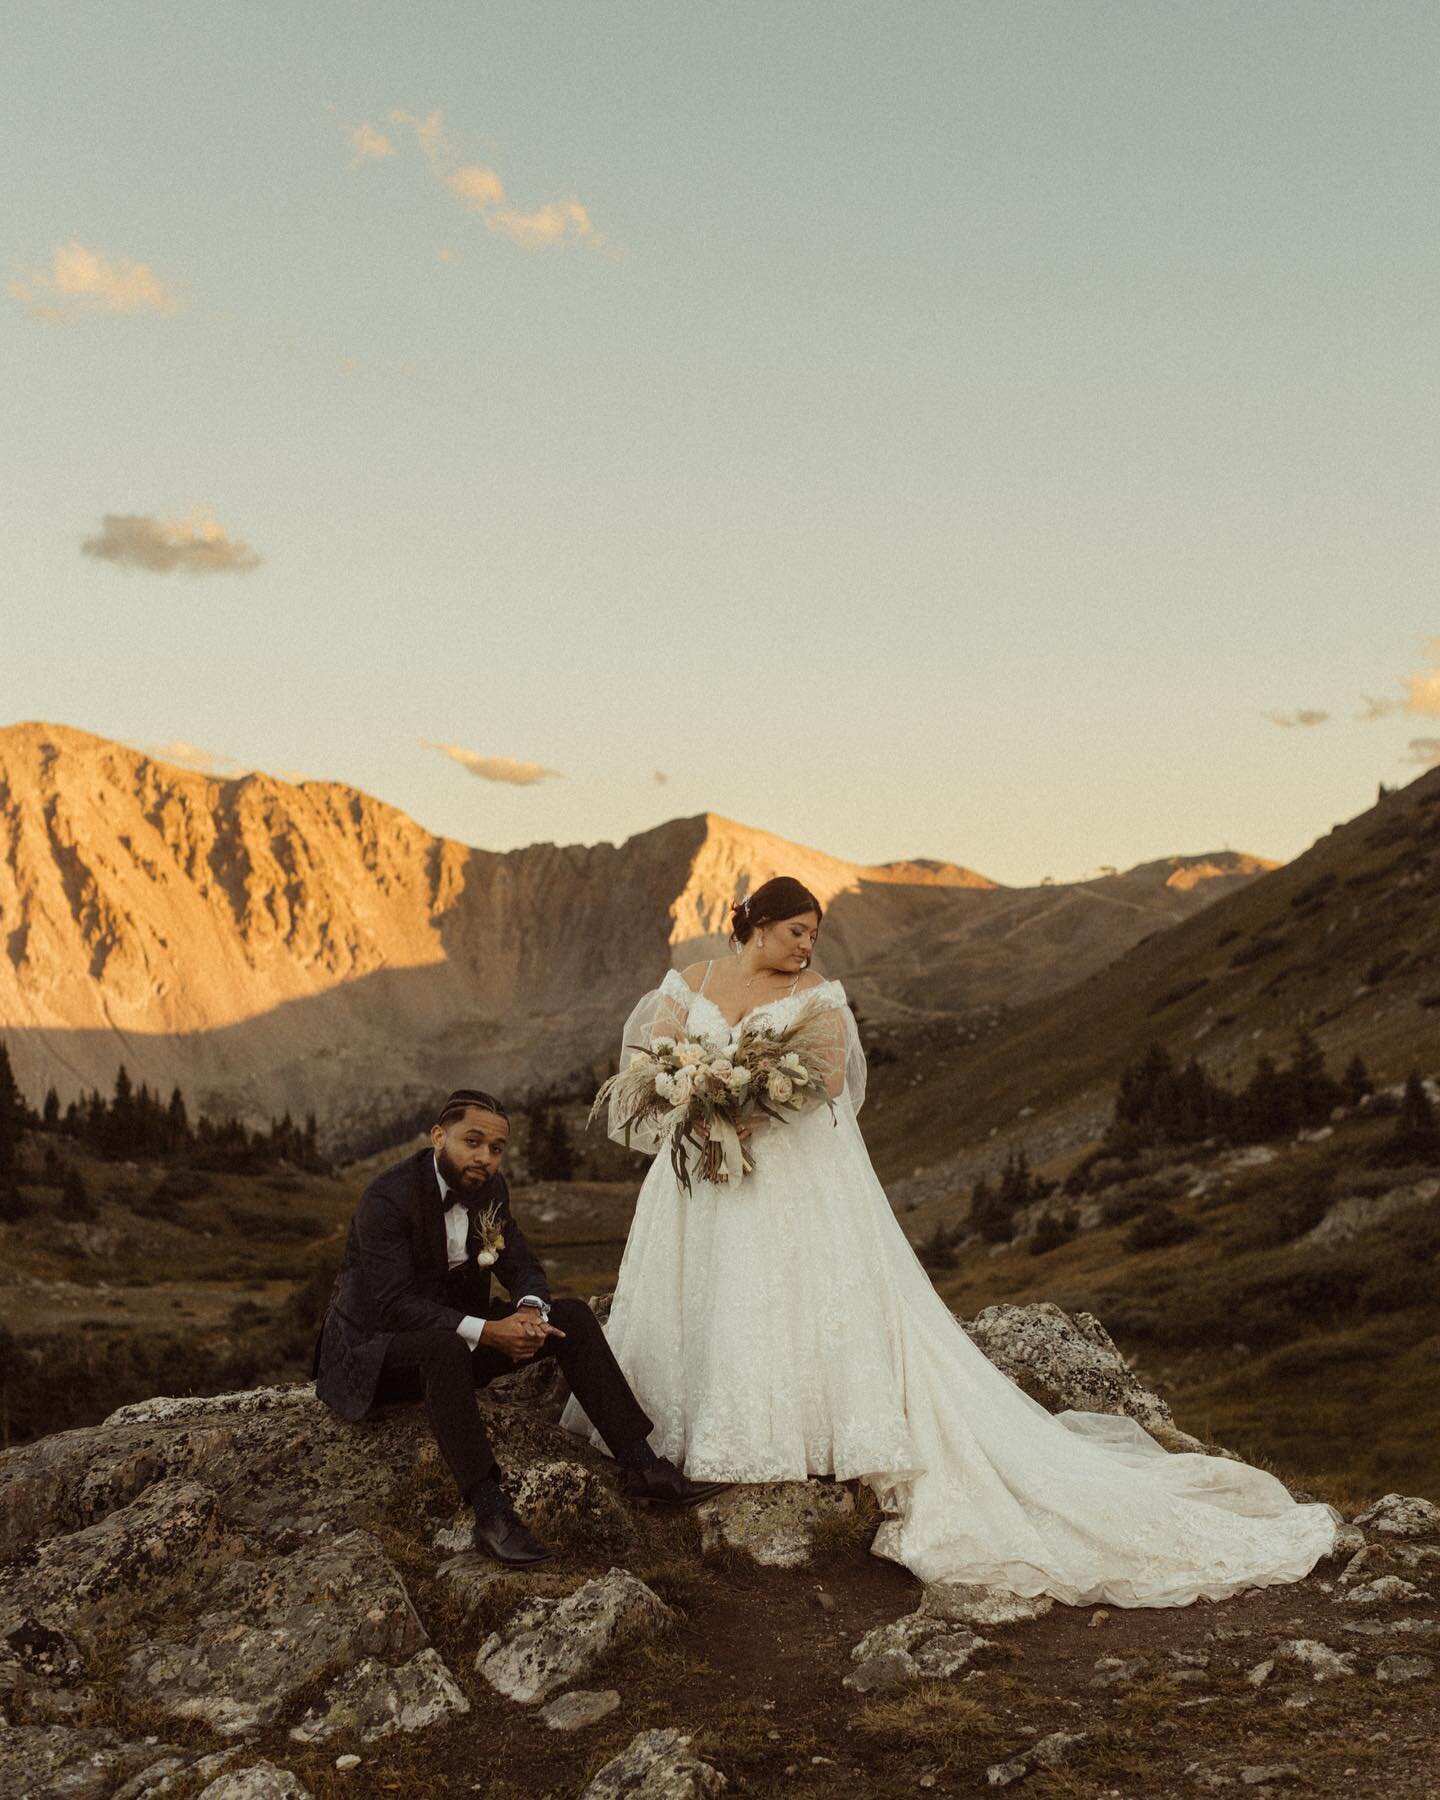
(959, 427)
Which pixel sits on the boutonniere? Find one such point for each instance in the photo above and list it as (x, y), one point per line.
(490, 1230)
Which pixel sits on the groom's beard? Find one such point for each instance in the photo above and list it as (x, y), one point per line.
(456, 1177)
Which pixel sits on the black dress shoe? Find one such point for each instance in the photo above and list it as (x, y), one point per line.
(501, 1535)
(660, 1483)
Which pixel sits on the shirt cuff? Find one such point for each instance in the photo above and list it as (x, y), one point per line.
(470, 1329)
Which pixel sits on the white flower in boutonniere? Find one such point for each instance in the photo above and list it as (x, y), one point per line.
(490, 1229)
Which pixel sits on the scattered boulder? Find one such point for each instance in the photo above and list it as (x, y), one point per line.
(275, 1628)
(1115, 1671)
(1353, 1213)
(1323, 1662)
(1402, 1516)
(1266, 1774)
(1049, 1752)
(1071, 1364)
(964, 1603)
(374, 1701)
(1383, 1590)
(550, 1643)
(774, 1523)
(173, 1776)
(918, 1647)
(261, 1781)
(574, 1711)
(566, 1499)
(1404, 1668)
(656, 1765)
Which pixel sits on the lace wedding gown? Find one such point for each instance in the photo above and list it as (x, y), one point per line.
(783, 1327)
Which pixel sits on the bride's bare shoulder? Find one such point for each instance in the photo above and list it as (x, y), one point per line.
(693, 974)
(809, 980)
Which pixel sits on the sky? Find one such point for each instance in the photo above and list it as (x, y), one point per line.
(1003, 433)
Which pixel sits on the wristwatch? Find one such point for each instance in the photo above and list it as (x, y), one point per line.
(541, 1306)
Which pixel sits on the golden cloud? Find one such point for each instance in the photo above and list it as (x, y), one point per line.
(82, 282)
(191, 756)
(479, 188)
(199, 545)
(507, 769)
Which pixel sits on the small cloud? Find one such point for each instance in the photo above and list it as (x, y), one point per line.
(444, 253)
(1306, 715)
(370, 145)
(660, 778)
(200, 545)
(1425, 751)
(191, 756)
(1377, 709)
(496, 768)
(478, 187)
(82, 282)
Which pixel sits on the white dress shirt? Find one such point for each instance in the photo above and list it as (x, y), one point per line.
(457, 1233)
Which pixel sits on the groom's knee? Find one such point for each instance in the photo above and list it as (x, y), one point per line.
(574, 1318)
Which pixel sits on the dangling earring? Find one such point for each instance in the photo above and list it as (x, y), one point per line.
(759, 940)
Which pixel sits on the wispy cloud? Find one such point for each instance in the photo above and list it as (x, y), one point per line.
(369, 144)
(191, 756)
(479, 188)
(1421, 696)
(507, 769)
(1425, 751)
(199, 545)
(1306, 715)
(81, 282)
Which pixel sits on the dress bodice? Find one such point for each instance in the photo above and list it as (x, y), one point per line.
(705, 1019)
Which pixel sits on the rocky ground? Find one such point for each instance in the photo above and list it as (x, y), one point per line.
(245, 1598)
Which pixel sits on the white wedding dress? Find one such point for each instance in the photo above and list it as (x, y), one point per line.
(783, 1327)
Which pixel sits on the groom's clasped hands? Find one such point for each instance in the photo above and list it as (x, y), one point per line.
(522, 1335)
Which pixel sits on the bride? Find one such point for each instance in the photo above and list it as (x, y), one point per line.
(782, 1327)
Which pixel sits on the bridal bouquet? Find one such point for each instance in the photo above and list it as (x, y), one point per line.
(697, 1095)
(690, 1093)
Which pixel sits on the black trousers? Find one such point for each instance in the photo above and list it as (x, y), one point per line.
(441, 1368)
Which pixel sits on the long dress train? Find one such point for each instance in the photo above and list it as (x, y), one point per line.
(784, 1327)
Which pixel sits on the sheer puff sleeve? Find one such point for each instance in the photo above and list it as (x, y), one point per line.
(663, 1012)
(833, 1041)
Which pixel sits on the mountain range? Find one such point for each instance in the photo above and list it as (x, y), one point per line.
(271, 945)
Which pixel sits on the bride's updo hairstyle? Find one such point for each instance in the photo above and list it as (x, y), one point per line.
(782, 898)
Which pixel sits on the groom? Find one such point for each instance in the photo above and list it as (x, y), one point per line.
(411, 1316)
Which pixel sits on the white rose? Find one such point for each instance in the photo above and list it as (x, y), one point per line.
(719, 1066)
(781, 1087)
(791, 1061)
(683, 1085)
(801, 1078)
(739, 1080)
(687, 1055)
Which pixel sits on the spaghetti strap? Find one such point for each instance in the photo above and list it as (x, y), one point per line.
(793, 985)
(708, 967)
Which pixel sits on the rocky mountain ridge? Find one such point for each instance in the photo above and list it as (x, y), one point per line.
(275, 946)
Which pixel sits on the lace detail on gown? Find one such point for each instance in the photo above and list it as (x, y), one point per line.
(785, 1328)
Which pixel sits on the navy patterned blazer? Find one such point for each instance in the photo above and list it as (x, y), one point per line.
(395, 1276)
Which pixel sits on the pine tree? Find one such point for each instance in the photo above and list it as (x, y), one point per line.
(76, 1200)
(989, 1214)
(12, 1113)
(1356, 1082)
(1416, 1131)
(1316, 1094)
(50, 1117)
(1015, 1180)
(177, 1122)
